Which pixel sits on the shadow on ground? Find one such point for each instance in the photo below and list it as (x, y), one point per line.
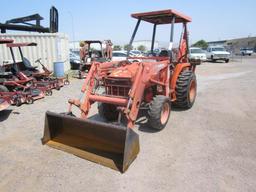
(141, 122)
(5, 114)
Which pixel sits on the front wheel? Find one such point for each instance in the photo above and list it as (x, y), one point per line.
(48, 92)
(18, 101)
(159, 112)
(29, 100)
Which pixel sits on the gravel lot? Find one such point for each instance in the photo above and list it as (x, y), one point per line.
(208, 148)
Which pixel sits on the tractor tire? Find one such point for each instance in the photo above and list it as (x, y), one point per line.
(186, 87)
(3, 88)
(18, 101)
(108, 111)
(29, 100)
(48, 92)
(159, 112)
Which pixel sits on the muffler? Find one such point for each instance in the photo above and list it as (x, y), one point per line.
(110, 145)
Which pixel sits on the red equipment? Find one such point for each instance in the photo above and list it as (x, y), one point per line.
(16, 88)
(94, 55)
(4, 104)
(128, 88)
(40, 79)
(46, 75)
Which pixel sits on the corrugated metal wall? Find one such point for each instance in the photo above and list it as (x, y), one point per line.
(50, 48)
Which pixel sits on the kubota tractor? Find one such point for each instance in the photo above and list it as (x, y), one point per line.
(95, 53)
(155, 84)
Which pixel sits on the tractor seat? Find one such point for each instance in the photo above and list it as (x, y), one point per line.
(3, 73)
(164, 53)
(28, 65)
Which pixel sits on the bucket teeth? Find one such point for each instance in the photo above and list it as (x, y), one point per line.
(107, 144)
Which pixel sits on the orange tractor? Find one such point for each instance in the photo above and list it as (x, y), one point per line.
(121, 90)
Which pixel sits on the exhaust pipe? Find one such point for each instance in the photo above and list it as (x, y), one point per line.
(107, 144)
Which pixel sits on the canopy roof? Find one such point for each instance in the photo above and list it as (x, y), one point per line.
(21, 44)
(162, 17)
(92, 41)
(3, 41)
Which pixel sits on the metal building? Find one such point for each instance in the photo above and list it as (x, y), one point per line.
(51, 47)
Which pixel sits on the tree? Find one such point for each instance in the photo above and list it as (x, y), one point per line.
(202, 44)
(141, 48)
(117, 48)
(126, 47)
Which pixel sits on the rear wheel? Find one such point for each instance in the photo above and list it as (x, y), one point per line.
(108, 111)
(186, 88)
(3, 88)
(159, 112)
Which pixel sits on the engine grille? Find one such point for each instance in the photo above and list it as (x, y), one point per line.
(118, 87)
(221, 55)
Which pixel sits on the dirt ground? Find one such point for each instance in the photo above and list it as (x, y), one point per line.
(210, 147)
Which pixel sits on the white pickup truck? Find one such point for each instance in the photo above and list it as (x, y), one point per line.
(246, 51)
(215, 53)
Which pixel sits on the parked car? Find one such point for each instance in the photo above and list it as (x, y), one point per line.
(196, 53)
(136, 53)
(122, 55)
(74, 61)
(215, 53)
(246, 51)
(119, 56)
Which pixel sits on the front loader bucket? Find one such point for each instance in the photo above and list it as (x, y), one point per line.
(107, 144)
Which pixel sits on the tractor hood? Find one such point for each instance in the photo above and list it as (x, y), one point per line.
(126, 72)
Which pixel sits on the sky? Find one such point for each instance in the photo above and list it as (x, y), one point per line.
(110, 19)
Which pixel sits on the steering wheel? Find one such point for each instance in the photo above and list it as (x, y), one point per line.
(38, 60)
(182, 57)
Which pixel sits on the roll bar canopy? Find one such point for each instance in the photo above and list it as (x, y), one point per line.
(21, 44)
(4, 41)
(162, 17)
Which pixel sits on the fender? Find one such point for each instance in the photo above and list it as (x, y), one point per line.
(179, 67)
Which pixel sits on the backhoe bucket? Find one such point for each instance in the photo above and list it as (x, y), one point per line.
(107, 144)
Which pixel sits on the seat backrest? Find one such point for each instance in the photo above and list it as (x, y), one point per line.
(164, 53)
(27, 63)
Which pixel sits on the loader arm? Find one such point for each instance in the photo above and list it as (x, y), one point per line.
(97, 71)
(136, 94)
